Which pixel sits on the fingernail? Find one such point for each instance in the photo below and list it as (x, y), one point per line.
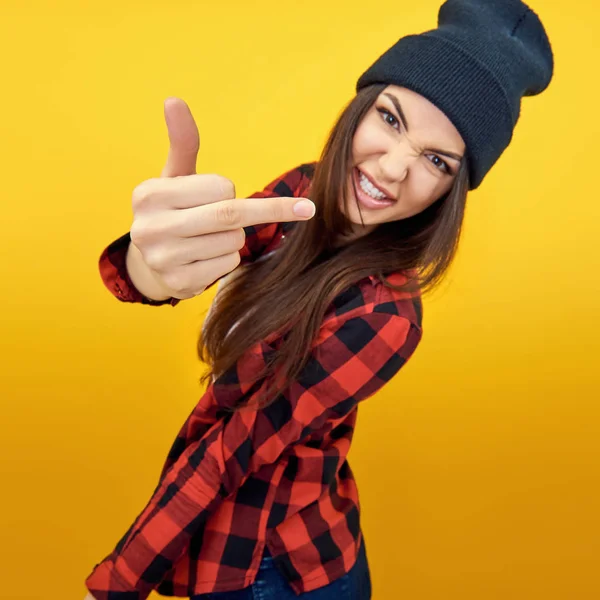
(304, 208)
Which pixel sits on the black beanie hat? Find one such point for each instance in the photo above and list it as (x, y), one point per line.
(475, 67)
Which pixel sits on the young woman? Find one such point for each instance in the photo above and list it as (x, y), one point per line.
(256, 499)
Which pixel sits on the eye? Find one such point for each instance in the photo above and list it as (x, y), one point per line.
(389, 118)
(437, 162)
(442, 165)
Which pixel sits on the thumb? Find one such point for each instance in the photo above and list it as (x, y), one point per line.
(184, 139)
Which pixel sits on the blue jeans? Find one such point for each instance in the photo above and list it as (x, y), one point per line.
(270, 584)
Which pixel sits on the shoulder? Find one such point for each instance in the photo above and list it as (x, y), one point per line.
(371, 295)
(292, 183)
(296, 181)
(378, 325)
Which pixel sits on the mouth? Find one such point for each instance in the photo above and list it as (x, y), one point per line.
(370, 195)
(369, 185)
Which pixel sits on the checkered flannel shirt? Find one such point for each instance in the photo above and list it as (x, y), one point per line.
(277, 477)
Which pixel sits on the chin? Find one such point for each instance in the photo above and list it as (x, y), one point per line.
(369, 218)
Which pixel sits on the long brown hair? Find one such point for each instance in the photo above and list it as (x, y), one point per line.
(288, 292)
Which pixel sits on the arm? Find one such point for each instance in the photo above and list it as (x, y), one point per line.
(127, 277)
(350, 361)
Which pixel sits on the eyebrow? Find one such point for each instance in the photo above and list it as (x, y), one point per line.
(396, 104)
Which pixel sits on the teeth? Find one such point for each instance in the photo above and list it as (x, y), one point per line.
(370, 189)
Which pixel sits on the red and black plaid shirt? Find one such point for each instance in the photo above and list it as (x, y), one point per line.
(278, 476)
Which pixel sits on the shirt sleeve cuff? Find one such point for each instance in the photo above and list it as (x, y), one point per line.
(104, 583)
(113, 271)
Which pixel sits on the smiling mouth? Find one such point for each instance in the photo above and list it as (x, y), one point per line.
(367, 195)
(367, 186)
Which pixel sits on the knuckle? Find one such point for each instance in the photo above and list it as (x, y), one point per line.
(228, 213)
(141, 193)
(177, 282)
(138, 233)
(142, 231)
(227, 187)
(221, 187)
(155, 259)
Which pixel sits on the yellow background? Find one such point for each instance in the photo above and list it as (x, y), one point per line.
(478, 465)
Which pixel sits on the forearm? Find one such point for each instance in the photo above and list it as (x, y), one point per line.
(142, 277)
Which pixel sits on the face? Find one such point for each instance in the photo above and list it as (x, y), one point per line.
(406, 154)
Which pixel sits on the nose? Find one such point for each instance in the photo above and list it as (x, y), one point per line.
(394, 163)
